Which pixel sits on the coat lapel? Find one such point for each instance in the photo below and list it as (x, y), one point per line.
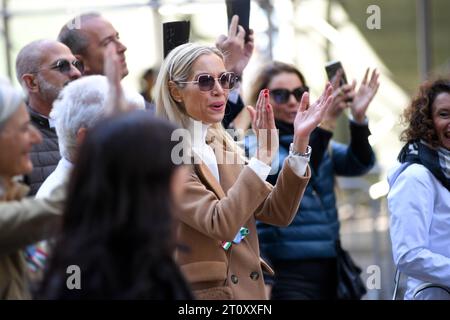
(209, 180)
(229, 173)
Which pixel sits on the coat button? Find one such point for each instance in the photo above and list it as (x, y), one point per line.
(234, 279)
(254, 275)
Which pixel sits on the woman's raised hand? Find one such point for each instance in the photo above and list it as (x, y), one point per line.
(309, 116)
(364, 95)
(263, 123)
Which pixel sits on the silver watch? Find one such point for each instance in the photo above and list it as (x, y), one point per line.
(292, 152)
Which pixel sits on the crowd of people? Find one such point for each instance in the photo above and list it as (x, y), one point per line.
(152, 198)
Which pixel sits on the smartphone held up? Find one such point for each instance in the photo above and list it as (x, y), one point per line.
(241, 8)
(332, 68)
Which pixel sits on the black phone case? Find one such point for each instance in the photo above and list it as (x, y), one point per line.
(332, 68)
(175, 34)
(240, 8)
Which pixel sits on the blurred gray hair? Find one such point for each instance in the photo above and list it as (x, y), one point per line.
(10, 101)
(82, 104)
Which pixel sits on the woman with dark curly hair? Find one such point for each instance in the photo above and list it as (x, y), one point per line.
(118, 223)
(419, 199)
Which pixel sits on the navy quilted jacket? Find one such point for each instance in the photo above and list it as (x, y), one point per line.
(315, 228)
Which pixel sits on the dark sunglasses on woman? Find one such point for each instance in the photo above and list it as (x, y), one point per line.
(206, 82)
(63, 66)
(283, 95)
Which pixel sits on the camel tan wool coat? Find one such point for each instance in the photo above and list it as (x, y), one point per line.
(24, 222)
(213, 212)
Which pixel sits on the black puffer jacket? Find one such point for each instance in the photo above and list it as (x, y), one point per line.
(44, 156)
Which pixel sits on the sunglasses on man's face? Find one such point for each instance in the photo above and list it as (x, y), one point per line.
(64, 66)
(206, 82)
(282, 95)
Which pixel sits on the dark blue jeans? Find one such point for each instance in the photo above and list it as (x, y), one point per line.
(310, 279)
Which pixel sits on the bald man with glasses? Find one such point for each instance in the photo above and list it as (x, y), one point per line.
(43, 68)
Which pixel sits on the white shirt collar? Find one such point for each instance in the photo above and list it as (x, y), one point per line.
(198, 131)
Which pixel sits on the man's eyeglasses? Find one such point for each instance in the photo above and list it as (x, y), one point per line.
(64, 66)
(283, 95)
(206, 82)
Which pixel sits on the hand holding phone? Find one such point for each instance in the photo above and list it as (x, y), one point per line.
(334, 69)
(236, 51)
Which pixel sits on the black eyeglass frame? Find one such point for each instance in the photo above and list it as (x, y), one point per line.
(281, 95)
(63, 66)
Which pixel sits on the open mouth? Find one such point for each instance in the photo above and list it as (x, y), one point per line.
(219, 106)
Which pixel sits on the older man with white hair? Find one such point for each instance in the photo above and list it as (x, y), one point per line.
(81, 104)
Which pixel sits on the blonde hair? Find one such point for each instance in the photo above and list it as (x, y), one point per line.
(178, 67)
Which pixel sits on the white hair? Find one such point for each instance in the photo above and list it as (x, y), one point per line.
(10, 101)
(82, 104)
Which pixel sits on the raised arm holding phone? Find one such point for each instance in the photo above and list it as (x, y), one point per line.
(237, 53)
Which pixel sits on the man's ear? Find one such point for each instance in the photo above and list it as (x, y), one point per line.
(30, 83)
(81, 135)
(175, 92)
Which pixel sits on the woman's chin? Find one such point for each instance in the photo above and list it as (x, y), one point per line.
(214, 119)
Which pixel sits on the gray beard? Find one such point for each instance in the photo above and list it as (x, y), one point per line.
(48, 91)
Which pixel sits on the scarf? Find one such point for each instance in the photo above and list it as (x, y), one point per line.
(437, 161)
(284, 127)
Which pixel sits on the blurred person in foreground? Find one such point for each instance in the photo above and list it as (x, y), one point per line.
(118, 223)
(22, 222)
